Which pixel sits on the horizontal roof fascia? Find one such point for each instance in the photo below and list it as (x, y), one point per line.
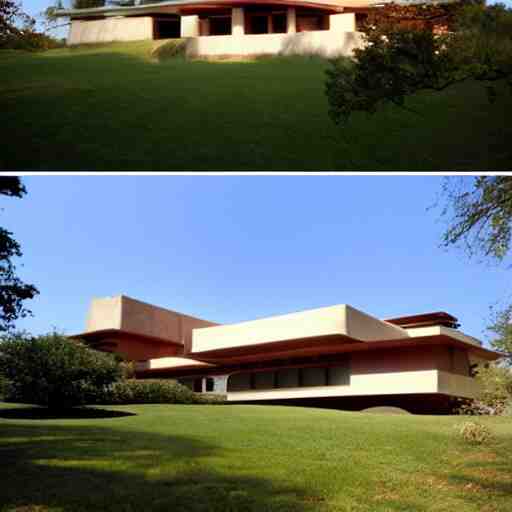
(174, 6)
(340, 321)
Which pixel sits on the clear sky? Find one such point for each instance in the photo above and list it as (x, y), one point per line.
(233, 248)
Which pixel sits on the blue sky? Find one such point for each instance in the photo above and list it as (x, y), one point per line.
(233, 248)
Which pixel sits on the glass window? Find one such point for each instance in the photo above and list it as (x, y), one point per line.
(209, 384)
(288, 378)
(339, 375)
(264, 380)
(239, 382)
(314, 377)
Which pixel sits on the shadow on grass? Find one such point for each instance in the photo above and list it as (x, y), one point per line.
(76, 413)
(85, 468)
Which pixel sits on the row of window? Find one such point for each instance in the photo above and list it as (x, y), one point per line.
(290, 378)
(274, 379)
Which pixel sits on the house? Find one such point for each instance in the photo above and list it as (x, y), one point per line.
(334, 356)
(223, 28)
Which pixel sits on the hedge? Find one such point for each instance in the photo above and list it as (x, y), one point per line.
(152, 391)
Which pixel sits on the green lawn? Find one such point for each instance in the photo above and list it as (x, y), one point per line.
(112, 107)
(249, 458)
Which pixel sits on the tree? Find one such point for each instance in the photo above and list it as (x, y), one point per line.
(13, 22)
(479, 210)
(54, 371)
(404, 55)
(482, 214)
(501, 329)
(18, 29)
(13, 291)
(51, 19)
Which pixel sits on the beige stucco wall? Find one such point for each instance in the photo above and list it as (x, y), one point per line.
(342, 320)
(328, 43)
(110, 29)
(137, 317)
(394, 383)
(104, 313)
(342, 22)
(457, 385)
(189, 26)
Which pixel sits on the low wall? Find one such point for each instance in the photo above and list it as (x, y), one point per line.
(327, 43)
(110, 29)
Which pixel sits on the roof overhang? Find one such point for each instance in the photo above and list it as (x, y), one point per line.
(177, 6)
(99, 336)
(171, 363)
(302, 331)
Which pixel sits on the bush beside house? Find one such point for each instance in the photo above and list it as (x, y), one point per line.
(152, 391)
(53, 371)
(59, 373)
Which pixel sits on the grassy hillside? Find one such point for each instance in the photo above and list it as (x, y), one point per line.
(248, 458)
(115, 107)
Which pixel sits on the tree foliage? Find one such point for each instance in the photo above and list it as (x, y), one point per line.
(404, 54)
(13, 291)
(18, 29)
(501, 330)
(54, 371)
(13, 20)
(481, 214)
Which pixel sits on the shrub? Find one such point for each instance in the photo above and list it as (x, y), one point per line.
(496, 392)
(151, 391)
(169, 49)
(54, 371)
(474, 433)
(4, 384)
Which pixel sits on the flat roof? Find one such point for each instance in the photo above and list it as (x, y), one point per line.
(175, 6)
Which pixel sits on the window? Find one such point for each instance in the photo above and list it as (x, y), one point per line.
(314, 377)
(288, 378)
(291, 378)
(220, 26)
(210, 384)
(198, 385)
(338, 375)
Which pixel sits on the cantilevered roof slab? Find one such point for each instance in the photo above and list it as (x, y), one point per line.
(127, 316)
(341, 323)
(171, 363)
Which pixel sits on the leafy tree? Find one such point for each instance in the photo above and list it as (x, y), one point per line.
(54, 371)
(501, 329)
(51, 19)
(482, 214)
(480, 210)
(480, 218)
(13, 291)
(13, 21)
(18, 29)
(404, 55)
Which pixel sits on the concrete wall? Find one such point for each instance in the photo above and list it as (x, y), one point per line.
(190, 26)
(395, 383)
(341, 320)
(133, 316)
(326, 43)
(438, 357)
(110, 29)
(138, 350)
